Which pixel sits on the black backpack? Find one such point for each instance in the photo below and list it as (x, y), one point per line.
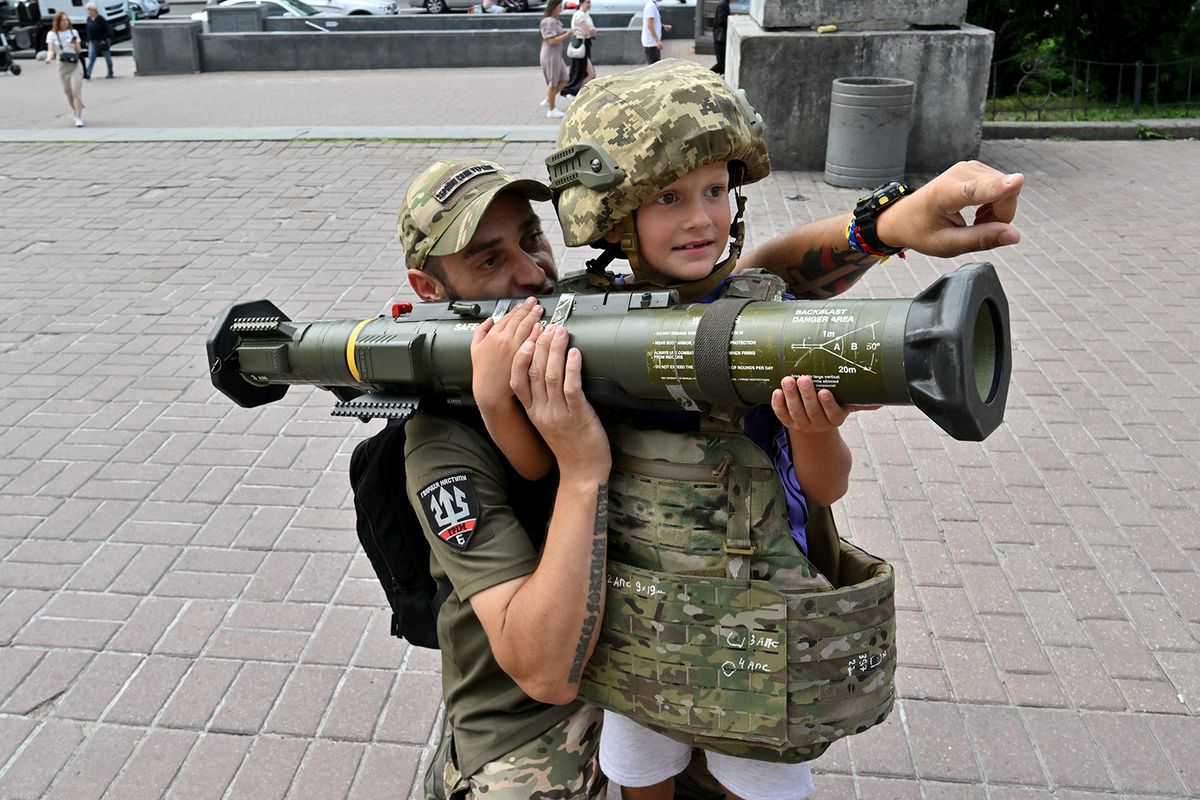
(391, 535)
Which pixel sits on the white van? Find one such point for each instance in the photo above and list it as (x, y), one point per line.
(115, 11)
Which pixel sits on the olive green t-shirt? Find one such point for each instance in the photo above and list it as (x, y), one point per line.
(465, 498)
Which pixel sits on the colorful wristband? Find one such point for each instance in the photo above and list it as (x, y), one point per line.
(859, 245)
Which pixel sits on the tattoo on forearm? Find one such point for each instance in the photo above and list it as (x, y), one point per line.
(595, 583)
(826, 272)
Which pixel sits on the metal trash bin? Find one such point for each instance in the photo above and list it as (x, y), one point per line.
(869, 122)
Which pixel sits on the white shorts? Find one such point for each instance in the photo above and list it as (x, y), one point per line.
(633, 755)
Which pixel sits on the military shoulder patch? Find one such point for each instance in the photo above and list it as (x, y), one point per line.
(451, 508)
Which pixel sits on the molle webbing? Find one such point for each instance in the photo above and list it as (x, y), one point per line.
(684, 668)
(735, 502)
(701, 562)
(654, 468)
(727, 682)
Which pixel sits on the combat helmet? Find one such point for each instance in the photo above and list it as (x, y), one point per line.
(627, 136)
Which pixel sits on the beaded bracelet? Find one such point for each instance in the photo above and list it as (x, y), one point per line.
(859, 245)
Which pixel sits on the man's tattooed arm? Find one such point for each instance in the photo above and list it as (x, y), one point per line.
(595, 590)
(824, 272)
(814, 259)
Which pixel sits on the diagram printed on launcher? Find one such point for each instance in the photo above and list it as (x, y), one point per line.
(834, 346)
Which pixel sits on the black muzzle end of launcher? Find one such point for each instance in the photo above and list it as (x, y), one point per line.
(957, 355)
(222, 352)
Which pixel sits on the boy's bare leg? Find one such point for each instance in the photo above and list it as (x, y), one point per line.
(659, 791)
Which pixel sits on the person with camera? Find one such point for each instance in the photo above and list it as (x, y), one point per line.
(98, 44)
(62, 43)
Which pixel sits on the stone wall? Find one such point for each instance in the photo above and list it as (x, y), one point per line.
(435, 22)
(164, 47)
(858, 15)
(788, 77)
(394, 50)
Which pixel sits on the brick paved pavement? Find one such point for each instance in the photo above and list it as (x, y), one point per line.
(348, 98)
(183, 612)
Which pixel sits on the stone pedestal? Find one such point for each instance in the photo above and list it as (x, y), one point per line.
(166, 46)
(236, 19)
(857, 15)
(787, 73)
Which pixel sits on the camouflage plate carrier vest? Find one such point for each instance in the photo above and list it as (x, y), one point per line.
(717, 630)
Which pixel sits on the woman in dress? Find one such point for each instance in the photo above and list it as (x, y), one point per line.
(582, 70)
(554, 67)
(63, 44)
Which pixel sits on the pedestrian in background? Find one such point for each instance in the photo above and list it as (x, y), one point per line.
(97, 35)
(62, 44)
(720, 29)
(554, 67)
(652, 31)
(582, 70)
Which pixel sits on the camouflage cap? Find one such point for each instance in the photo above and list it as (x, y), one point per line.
(640, 131)
(445, 203)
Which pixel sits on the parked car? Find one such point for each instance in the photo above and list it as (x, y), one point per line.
(148, 9)
(442, 6)
(278, 8)
(620, 6)
(359, 7)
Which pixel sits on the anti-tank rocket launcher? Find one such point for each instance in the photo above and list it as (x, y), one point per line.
(946, 351)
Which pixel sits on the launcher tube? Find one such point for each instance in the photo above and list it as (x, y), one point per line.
(945, 351)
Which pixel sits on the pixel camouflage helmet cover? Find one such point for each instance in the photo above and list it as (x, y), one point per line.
(628, 136)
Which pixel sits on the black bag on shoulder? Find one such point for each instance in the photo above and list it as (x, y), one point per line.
(391, 535)
(66, 55)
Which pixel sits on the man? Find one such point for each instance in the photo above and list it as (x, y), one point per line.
(652, 31)
(97, 34)
(521, 620)
(719, 29)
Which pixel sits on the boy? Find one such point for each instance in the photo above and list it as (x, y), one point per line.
(675, 234)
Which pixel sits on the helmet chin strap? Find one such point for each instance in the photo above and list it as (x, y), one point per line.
(629, 247)
(689, 291)
(626, 248)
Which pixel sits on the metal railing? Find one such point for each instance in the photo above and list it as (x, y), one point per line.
(1079, 87)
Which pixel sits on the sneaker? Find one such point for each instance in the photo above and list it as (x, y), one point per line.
(110, 75)
(543, 103)
(554, 112)
(79, 122)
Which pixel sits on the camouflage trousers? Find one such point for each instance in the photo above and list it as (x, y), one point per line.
(561, 764)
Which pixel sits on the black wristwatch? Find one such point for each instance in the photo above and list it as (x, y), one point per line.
(867, 212)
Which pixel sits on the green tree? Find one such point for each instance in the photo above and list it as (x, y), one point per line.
(1095, 30)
